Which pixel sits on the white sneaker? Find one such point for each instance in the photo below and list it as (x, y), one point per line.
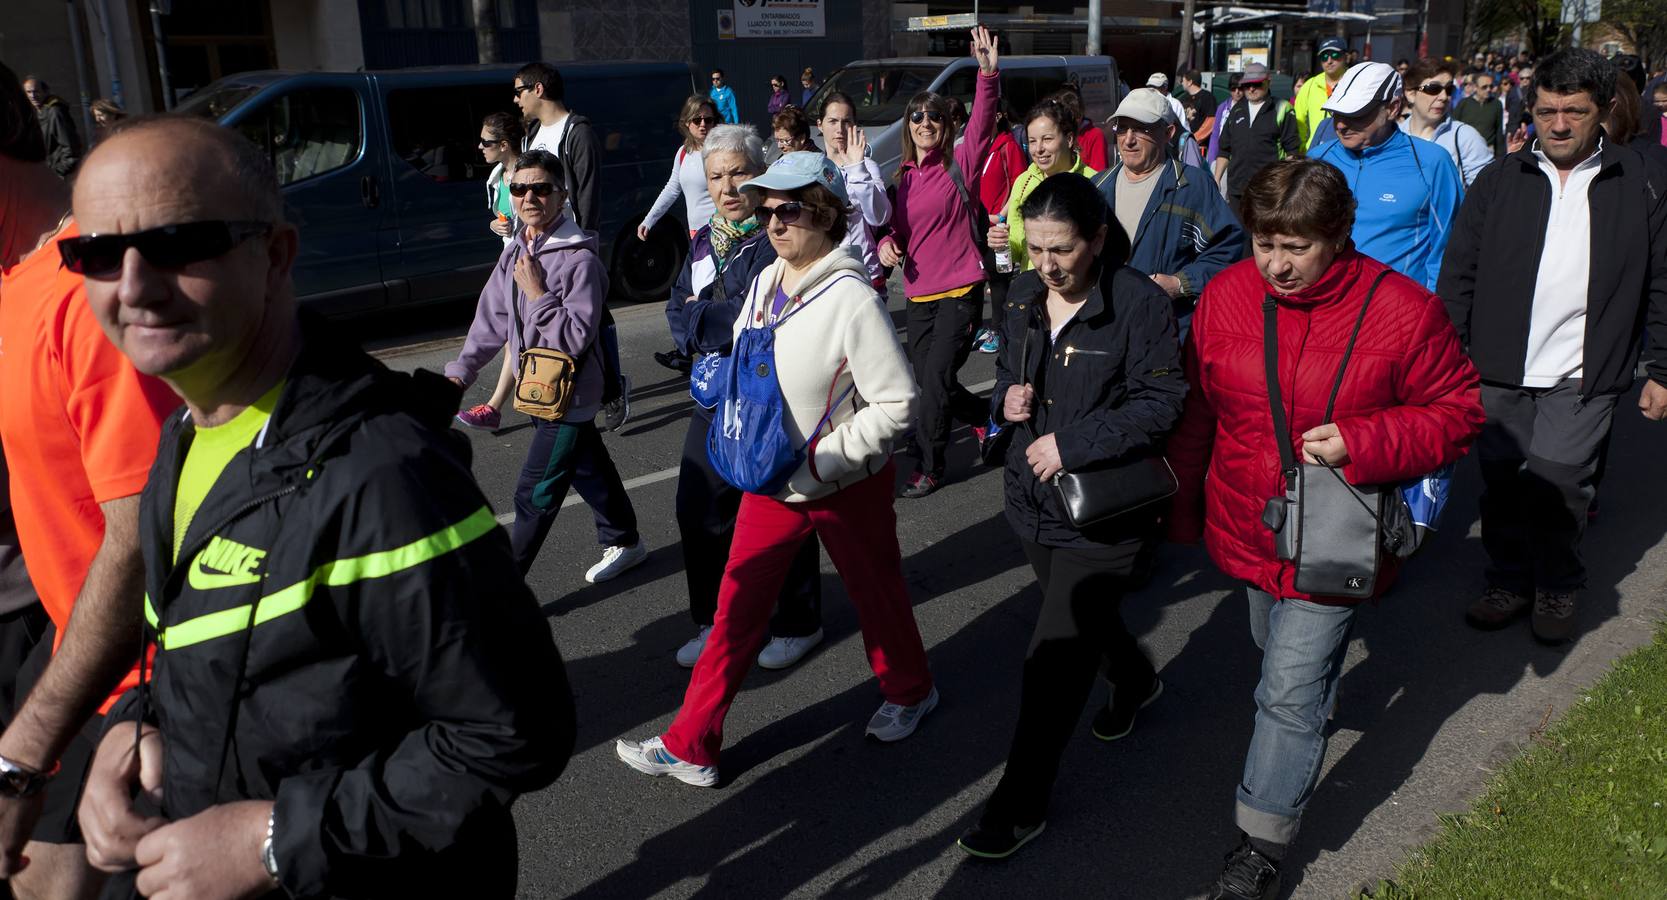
(616, 561)
(652, 758)
(782, 652)
(617, 413)
(689, 654)
(894, 723)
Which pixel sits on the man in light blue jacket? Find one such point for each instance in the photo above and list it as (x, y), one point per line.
(724, 95)
(1406, 189)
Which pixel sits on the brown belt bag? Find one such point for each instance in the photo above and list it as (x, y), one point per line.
(545, 383)
(545, 378)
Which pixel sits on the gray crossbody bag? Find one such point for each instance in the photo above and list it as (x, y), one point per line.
(1332, 531)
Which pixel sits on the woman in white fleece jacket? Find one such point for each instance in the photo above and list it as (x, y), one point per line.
(836, 346)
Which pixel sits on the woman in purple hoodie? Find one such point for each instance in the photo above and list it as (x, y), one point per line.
(553, 280)
(936, 238)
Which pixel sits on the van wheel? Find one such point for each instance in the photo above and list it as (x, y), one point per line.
(644, 271)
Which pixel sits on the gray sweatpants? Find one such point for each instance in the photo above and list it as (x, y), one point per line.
(1539, 452)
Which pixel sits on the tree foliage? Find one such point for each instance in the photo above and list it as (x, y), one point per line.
(1643, 24)
(1538, 21)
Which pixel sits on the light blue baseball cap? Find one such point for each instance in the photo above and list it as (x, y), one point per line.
(795, 170)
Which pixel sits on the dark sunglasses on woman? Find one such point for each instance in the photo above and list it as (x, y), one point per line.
(168, 247)
(789, 213)
(486, 142)
(538, 188)
(921, 115)
(708, 121)
(1436, 88)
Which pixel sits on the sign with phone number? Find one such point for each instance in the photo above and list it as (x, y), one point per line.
(780, 19)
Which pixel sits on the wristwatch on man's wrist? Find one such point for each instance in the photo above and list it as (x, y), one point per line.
(268, 857)
(18, 781)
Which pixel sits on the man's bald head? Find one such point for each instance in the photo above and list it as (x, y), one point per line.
(200, 322)
(191, 155)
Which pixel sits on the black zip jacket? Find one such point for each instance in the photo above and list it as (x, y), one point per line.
(581, 160)
(1110, 388)
(398, 687)
(63, 142)
(1493, 259)
(1249, 145)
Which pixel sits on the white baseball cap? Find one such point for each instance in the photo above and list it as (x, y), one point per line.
(1159, 81)
(1363, 85)
(1144, 106)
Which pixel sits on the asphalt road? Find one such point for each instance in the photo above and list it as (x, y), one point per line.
(807, 807)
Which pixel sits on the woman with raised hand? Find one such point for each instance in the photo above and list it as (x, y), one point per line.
(1089, 376)
(688, 180)
(846, 394)
(726, 255)
(847, 146)
(500, 145)
(937, 238)
(1052, 137)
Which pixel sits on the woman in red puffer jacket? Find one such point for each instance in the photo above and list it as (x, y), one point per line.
(1409, 403)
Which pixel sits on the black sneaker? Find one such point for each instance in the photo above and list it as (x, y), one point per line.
(675, 360)
(1116, 718)
(998, 843)
(1248, 875)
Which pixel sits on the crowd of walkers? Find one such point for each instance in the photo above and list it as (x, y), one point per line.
(273, 642)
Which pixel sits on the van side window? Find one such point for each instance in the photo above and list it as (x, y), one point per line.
(436, 130)
(961, 84)
(308, 132)
(1024, 88)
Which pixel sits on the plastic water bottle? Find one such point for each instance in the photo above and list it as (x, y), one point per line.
(1004, 256)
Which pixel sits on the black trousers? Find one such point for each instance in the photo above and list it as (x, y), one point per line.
(26, 638)
(1540, 454)
(940, 339)
(563, 455)
(706, 507)
(1079, 630)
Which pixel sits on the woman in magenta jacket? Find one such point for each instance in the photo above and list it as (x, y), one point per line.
(935, 238)
(1410, 402)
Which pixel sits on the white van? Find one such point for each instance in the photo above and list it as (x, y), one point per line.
(882, 88)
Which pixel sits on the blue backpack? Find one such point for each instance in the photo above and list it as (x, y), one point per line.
(748, 444)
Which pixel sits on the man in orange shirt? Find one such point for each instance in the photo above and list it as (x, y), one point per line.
(80, 429)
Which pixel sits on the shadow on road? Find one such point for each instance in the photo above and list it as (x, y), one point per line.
(1145, 817)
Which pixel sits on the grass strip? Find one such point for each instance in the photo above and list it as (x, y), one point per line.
(1582, 812)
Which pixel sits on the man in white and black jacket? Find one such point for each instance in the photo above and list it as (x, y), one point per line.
(1556, 265)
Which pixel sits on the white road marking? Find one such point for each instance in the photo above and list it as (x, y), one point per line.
(632, 484)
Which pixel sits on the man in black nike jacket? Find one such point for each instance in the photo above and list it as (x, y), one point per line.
(351, 682)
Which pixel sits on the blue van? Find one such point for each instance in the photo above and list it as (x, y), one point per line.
(382, 173)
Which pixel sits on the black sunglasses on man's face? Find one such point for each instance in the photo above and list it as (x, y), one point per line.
(169, 247)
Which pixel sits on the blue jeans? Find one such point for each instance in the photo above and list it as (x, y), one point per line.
(1302, 644)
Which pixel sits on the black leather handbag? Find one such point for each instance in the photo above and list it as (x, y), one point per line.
(1105, 491)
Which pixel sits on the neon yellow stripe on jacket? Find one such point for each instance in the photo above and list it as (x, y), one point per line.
(336, 573)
